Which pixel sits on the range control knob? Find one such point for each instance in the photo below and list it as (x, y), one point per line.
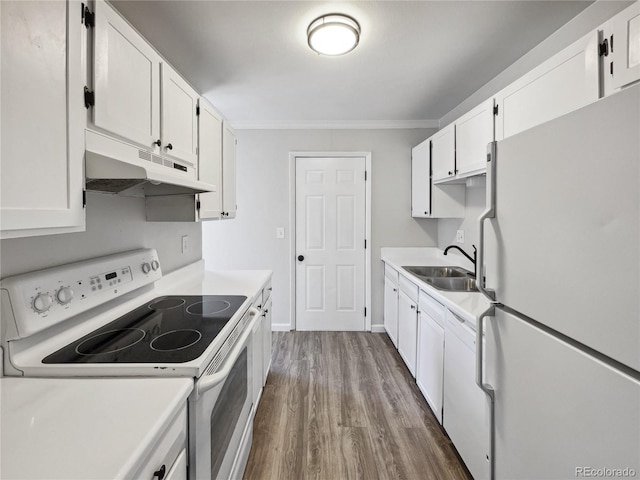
(64, 295)
(42, 302)
(146, 267)
(155, 265)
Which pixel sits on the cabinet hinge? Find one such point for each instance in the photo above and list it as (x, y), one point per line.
(84, 199)
(197, 110)
(365, 243)
(198, 205)
(495, 109)
(89, 98)
(365, 311)
(611, 43)
(611, 68)
(603, 48)
(365, 175)
(88, 18)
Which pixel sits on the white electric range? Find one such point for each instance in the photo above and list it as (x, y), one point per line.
(105, 318)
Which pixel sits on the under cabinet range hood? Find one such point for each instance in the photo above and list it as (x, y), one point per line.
(113, 166)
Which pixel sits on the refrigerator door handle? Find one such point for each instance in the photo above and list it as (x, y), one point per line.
(485, 387)
(489, 212)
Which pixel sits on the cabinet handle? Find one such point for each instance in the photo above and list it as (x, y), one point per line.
(169, 146)
(157, 142)
(395, 289)
(450, 172)
(160, 473)
(413, 307)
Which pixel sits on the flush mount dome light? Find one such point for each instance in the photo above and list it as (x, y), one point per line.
(333, 34)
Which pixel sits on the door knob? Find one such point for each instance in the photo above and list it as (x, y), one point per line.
(300, 258)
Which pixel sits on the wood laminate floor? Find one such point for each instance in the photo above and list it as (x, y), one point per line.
(342, 405)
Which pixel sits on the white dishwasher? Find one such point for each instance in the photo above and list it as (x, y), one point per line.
(466, 409)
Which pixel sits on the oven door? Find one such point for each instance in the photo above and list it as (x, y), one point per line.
(220, 408)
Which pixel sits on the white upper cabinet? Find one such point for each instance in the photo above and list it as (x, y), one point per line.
(229, 144)
(42, 117)
(443, 153)
(625, 46)
(126, 73)
(474, 131)
(210, 160)
(179, 125)
(567, 81)
(420, 180)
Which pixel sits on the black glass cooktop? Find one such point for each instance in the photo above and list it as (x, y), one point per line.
(173, 329)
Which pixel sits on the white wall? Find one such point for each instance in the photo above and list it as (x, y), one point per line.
(249, 241)
(114, 224)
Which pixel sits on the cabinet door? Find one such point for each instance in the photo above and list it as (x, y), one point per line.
(178, 470)
(391, 310)
(257, 341)
(266, 347)
(567, 81)
(626, 46)
(407, 331)
(228, 172)
(420, 180)
(430, 362)
(210, 159)
(42, 118)
(126, 73)
(474, 131)
(443, 153)
(179, 120)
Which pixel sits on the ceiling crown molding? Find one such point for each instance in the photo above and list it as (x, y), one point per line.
(337, 125)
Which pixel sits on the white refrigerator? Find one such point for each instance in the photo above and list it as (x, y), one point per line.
(560, 250)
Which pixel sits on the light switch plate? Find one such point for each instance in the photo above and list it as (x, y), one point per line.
(460, 236)
(185, 243)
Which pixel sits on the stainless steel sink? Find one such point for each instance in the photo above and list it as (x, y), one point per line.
(438, 271)
(453, 284)
(452, 279)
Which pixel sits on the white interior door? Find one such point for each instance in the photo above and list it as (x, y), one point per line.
(330, 243)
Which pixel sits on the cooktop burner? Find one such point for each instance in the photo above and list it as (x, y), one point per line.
(168, 329)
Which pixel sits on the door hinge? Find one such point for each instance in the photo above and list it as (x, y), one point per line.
(603, 48)
(197, 110)
(365, 311)
(84, 199)
(89, 98)
(495, 109)
(365, 175)
(198, 205)
(611, 68)
(365, 243)
(88, 18)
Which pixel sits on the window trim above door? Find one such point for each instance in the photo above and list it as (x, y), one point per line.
(292, 228)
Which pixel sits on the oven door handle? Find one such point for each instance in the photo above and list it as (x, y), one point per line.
(205, 384)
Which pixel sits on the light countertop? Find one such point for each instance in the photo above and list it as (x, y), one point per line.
(468, 305)
(83, 428)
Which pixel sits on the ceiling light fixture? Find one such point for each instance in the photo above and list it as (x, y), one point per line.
(333, 34)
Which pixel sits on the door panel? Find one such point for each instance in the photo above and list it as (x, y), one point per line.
(567, 254)
(330, 224)
(554, 402)
(126, 80)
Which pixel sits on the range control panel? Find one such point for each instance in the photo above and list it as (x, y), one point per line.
(46, 297)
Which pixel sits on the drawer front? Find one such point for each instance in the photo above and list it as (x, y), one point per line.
(432, 308)
(391, 273)
(409, 288)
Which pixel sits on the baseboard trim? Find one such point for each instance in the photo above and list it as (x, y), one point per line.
(281, 327)
(378, 329)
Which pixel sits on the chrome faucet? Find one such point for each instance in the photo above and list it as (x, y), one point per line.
(472, 260)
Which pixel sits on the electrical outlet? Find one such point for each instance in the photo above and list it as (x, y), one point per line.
(280, 232)
(185, 243)
(460, 236)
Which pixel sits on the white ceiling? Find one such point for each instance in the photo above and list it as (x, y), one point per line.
(416, 59)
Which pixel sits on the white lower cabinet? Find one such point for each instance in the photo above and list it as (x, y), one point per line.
(430, 361)
(408, 323)
(466, 407)
(169, 453)
(257, 341)
(391, 304)
(266, 341)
